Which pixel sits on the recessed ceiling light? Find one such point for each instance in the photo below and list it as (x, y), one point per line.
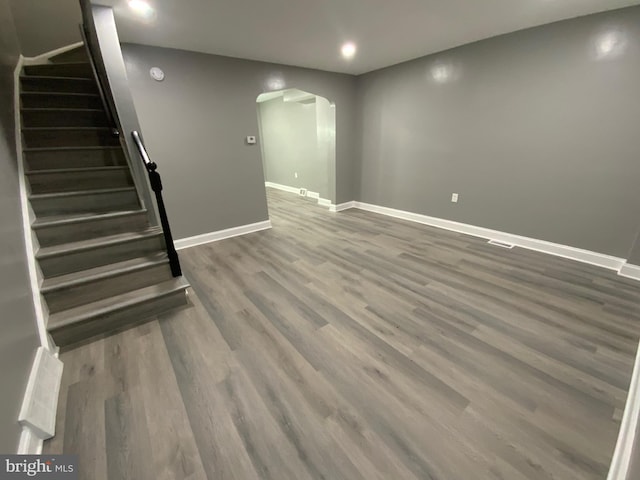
(349, 50)
(141, 7)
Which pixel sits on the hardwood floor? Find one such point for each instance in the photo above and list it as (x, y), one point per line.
(356, 346)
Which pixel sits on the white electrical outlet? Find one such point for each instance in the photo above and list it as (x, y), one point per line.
(454, 197)
(251, 140)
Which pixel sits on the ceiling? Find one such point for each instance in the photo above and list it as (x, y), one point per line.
(309, 33)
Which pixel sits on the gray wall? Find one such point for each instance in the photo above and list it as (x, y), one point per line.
(634, 254)
(195, 123)
(103, 38)
(45, 25)
(289, 142)
(290, 145)
(538, 136)
(18, 337)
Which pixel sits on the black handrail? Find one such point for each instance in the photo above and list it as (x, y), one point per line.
(105, 105)
(156, 186)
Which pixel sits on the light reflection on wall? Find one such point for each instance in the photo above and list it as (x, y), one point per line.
(444, 71)
(610, 43)
(275, 82)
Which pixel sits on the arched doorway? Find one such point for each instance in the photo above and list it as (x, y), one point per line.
(298, 143)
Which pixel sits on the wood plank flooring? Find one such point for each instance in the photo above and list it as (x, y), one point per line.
(356, 346)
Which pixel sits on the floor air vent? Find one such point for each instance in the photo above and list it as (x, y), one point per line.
(303, 192)
(501, 244)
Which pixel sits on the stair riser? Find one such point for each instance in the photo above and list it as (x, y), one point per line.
(74, 159)
(60, 101)
(85, 180)
(86, 203)
(103, 325)
(80, 70)
(110, 287)
(61, 118)
(77, 55)
(77, 232)
(68, 138)
(43, 84)
(82, 260)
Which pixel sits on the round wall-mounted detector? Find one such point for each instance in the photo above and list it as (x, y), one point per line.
(157, 74)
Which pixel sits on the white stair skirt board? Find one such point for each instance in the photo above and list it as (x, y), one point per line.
(221, 234)
(630, 271)
(565, 251)
(621, 460)
(38, 412)
(47, 55)
(285, 188)
(30, 443)
(27, 219)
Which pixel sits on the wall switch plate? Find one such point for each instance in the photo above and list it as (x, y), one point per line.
(454, 197)
(251, 140)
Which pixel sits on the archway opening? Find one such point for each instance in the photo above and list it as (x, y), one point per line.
(298, 143)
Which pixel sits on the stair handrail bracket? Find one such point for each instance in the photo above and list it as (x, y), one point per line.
(156, 185)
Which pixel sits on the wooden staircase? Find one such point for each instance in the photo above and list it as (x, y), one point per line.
(103, 267)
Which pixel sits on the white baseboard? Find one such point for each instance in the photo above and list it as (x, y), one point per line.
(565, 251)
(629, 270)
(284, 188)
(44, 57)
(221, 234)
(323, 202)
(621, 460)
(342, 206)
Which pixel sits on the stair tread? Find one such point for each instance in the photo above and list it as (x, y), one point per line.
(68, 128)
(105, 271)
(62, 64)
(60, 109)
(65, 248)
(58, 220)
(55, 77)
(49, 64)
(71, 94)
(40, 196)
(70, 148)
(78, 169)
(82, 313)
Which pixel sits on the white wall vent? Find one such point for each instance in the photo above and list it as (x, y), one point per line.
(498, 243)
